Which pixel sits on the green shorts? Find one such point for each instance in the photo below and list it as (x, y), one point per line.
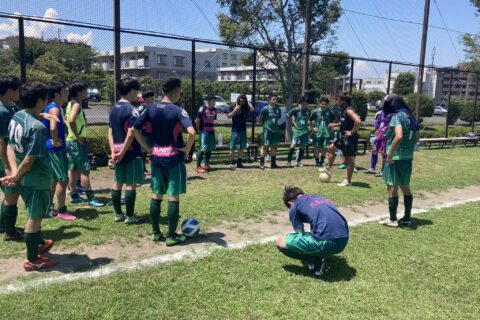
(238, 140)
(321, 143)
(304, 243)
(8, 190)
(59, 163)
(207, 142)
(78, 156)
(270, 138)
(130, 173)
(302, 140)
(171, 181)
(37, 202)
(398, 173)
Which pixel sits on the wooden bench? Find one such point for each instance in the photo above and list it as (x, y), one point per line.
(466, 140)
(222, 152)
(441, 142)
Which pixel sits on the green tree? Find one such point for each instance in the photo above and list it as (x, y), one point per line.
(326, 69)
(374, 96)
(276, 24)
(359, 101)
(427, 104)
(467, 111)
(404, 84)
(147, 82)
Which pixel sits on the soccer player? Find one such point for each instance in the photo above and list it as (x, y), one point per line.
(328, 229)
(77, 149)
(269, 117)
(320, 123)
(148, 100)
(126, 153)
(402, 137)
(238, 138)
(299, 118)
(347, 143)
(9, 93)
(380, 144)
(206, 117)
(168, 153)
(31, 170)
(55, 143)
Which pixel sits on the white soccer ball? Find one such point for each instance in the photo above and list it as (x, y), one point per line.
(324, 177)
(190, 227)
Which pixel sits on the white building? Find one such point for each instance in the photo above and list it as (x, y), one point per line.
(226, 57)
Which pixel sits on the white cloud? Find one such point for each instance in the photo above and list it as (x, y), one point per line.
(80, 38)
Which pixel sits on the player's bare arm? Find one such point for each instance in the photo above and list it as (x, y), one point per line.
(73, 126)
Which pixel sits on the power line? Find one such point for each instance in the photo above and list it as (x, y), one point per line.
(400, 20)
(205, 16)
(448, 32)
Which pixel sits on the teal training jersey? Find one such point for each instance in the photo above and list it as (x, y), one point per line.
(271, 115)
(407, 145)
(300, 116)
(321, 119)
(6, 114)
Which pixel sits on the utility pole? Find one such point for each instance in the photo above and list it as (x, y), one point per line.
(422, 57)
(116, 43)
(308, 22)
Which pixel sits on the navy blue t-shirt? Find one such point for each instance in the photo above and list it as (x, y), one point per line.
(239, 121)
(326, 223)
(122, 117)
(168, 121)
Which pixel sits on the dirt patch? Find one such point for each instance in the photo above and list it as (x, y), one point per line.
(85, 258)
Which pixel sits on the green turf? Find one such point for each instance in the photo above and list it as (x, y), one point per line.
(427, 273)
(224, 195)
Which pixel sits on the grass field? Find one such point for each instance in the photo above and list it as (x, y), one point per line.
(224, 195)
(427, 273)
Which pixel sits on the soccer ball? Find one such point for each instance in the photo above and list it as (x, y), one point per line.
(324, 177)
(190, 227)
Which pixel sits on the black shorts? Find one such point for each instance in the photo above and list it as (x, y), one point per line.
(348, 145)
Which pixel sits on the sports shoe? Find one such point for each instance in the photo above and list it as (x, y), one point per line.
(232, 167)
(370, 171)
(119, 217)
(40, 263)
(201, 170)
(79, 190)
(43, 248)
(240, 165)
(179, 238)
(262, 167)
(208, 168)
(379, 174)
(289, 164)
(355, 170)
(18, 236)
(157, 237)
(344, 183)
(389, 223)
(342, 166)
(404, 223)
(134, 220)
(95, 203)
(65, 216)
(274, 166)
(77, 199)
(299, 164)
(321, 268)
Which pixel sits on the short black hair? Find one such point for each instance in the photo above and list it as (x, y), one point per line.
(75, 87)
(148, 93)
(273, 94)
(55, 87)
(290, 193)
(324, 99)
(124, 85)
(31, 92)
(210, 97)
(171, 84)
(9, 82)
(345, 96)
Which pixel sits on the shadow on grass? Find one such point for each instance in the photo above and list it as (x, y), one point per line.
(62, 234)
(195, 178)
(340, 270)
(211, 237)
(361, 185)
(75, 263)
(417, 222)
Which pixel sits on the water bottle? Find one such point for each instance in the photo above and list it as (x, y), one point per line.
(220, 139)
(372, 138)
(417, 147)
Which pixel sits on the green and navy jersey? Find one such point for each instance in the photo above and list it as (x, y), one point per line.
(6, 114)
(321, 119)
(301, 117)
(271, 116)
(27, 136)
(407, 145)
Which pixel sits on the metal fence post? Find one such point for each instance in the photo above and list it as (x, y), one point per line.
(389, 76)
(475, 103)
(351, 75)
(254, 91)
(449, 99)
(21, 50)
(116, 43)
(193, 78)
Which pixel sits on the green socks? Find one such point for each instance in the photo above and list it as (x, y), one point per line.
(208, 155)
(262, 161)
(32, 240)
(155, 215)
(408, 201)
(173, 216)
(273, 162)
(300, 155)
(130, 196)
(117, 201)
(290, 155)
(392, 207)
(9, 214)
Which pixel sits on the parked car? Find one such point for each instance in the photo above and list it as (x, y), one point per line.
(221, 105)
(93, 94)
(439, 111)
(371, 107)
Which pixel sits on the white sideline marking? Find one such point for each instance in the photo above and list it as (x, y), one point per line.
(187, 254)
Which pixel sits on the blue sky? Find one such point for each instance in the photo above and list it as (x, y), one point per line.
(380, 38)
